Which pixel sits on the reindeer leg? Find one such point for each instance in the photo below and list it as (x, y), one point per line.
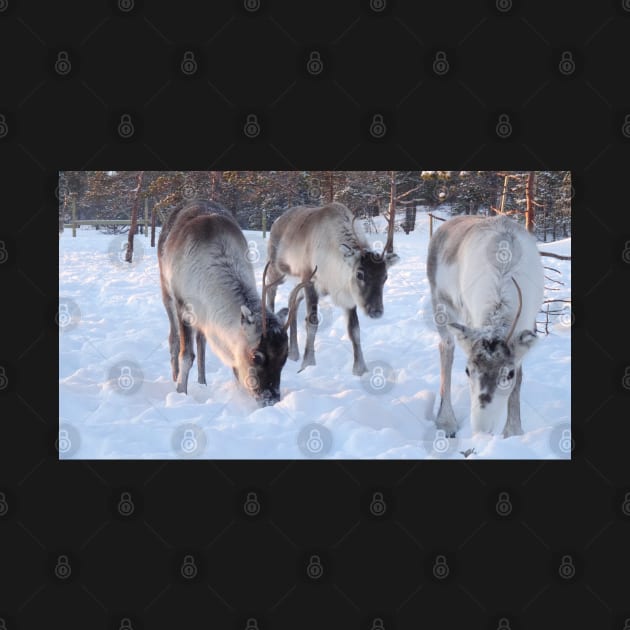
(186, 355)
(201, 357)
(513, 424)
(173, 336)
(294, 350)
(359, 366)
(446, 416)
(311, 325)
(272, 275)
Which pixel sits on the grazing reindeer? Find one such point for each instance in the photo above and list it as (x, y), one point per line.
(487, 285)
(304, 238)
(209, 289)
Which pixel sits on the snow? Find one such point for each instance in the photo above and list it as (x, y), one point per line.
(117, 400)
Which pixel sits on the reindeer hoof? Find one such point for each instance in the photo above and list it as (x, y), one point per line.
(359, 370)
(450, 434)
(449, 427)
(294, 356)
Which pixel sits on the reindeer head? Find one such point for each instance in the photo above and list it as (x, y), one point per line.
(492, 368)
(260, 365)
(369, 273)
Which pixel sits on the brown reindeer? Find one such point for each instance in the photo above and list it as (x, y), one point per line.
(209, 291)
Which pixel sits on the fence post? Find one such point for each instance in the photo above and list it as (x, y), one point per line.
(74, 217)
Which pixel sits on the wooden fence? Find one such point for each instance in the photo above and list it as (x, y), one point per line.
(432, 218)
(75, 222)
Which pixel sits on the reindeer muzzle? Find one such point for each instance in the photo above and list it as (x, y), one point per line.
(269, 398)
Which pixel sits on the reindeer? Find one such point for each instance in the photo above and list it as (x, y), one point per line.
(325, 237)
(209, 290)
(487, 285)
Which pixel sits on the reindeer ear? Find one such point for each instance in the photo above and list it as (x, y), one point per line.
(464, 335)
(246, 315)
(391, 259)
(523, 342)
(462, 332)
(248, 325)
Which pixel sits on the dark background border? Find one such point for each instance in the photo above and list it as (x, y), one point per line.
(504, 58)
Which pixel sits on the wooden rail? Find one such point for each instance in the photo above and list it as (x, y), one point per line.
(431, 218)
(78, 222)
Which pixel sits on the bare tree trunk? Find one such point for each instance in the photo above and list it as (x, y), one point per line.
(504, 194)
(529, 205)
(216, 179)
(134, 219)
(146, 216)
(331, 190)
(495, 195)
(389, 247)
(153, 213)
(62, 214)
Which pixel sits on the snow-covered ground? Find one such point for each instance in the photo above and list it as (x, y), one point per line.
(117, 400)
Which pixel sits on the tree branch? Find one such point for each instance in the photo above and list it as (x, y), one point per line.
(554, 280)
(555, 255)
(407, 193)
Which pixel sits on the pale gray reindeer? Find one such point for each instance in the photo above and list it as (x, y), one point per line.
(209, 290)
(305, 238)
(487, 285)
